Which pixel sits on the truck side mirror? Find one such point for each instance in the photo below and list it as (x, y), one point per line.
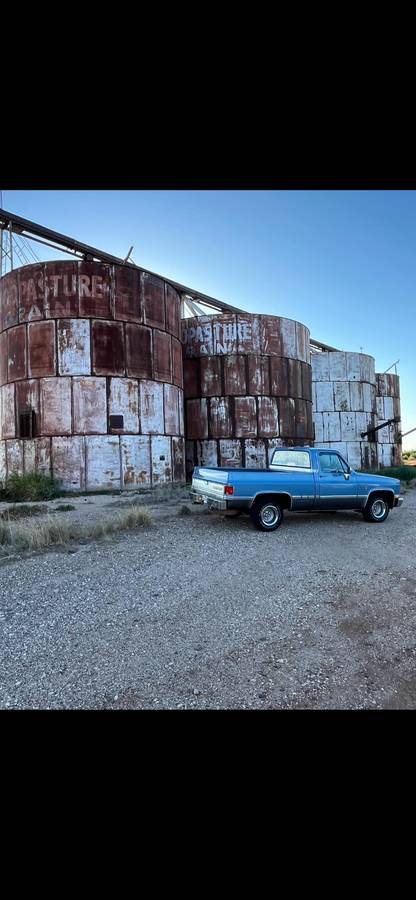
(346, 475)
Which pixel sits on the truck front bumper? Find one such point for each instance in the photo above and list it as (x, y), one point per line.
(398, 501)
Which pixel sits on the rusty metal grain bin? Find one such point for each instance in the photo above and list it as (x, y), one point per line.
(388, 407)
(91, 376)
(344, 404)
(247, 386)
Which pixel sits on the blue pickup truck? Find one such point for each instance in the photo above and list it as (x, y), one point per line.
(297, 479)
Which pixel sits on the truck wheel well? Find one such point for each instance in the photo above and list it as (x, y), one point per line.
(388, 495)
(283, 500)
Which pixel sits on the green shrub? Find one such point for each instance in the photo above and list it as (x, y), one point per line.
(405, 473)
(20, 488)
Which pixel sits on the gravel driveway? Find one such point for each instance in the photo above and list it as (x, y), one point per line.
(201, 611)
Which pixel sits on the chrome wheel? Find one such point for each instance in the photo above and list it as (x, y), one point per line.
(379, 508)
(269, 515)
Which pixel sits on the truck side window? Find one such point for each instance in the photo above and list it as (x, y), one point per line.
(330, 462)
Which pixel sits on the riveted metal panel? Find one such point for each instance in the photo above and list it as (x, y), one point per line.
(7, 411)
(224, 332)
(162, 358)
(271, 341)
(354, 453)
(41, 349)
(102, 462)
(220, 424)
(258, 375)
(14, 457)
(16, 353)
(302, 342)
(211, 383)
(196, 419)
(342, 396)
(353, 366)
(177, 370)
(320, 366)
(207, 452)
(178, 458)
(197, 336)
(9, 300)
(61, 290)
(230, 454)
(191, 377)
(181, 414)
(127, 306)
(135, 460)
(255, 454)
(337, 366)
(37, 455)
(68, 460)
(324, 396)
(287, 417)
(367, 367)
(139, 351)
(331, 427)
(288, 330)
(235, 375)
(95, 290)
(171, 407)
(123, 400)
(245, 417)
(279, 381)
(55, 406)
(90, 405)
(3, 358)
(161, 459)
(151, 407)
(356, 395)
(249, 333)
(153, 299)
(74, 347)
(380, 408)
(27, 398)
(348, 426)
(3, 467)
(369, 398)
(108, 348)
(388, 407)
(301, 418)
(319, 425)
(273, 444)
(173, 311)
(31, 293)
(295, 378)
(268, 417)
(386, 454)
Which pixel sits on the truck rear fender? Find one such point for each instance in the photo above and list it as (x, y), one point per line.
(284, 499)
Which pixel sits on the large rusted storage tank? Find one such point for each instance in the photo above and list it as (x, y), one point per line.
(91, 377)
(247, 386)
(344, 401)
(388, 407)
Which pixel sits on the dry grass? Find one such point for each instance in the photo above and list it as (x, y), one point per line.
(15, 535)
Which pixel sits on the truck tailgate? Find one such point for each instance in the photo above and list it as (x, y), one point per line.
(210, 483)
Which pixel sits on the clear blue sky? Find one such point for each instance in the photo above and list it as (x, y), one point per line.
(342, 262)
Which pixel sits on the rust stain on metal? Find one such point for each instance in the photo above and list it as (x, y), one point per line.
(127, 305)
(191, 377)
(7, 411)
(178, 459)
(268, 415)
(211, 384)
(255, 454)
(135, 460)
(31, 293)
(151, 407)
(41, 349)
(16, 353)
(123, 401)
(108, 348)
(220, 423)
(173, 311)
(90, 405)
(171, 407)
(235, 375)
(153, 299)
(245, 417)
(162, 359)
(161, 459)
(9, 300)
(61, 290)
(37, 455)
(230, 454)
(139, 351)
(94, 291)
(196, 419)
(68, 454)
(177, 366)
(55, 406)
(258, 375)
(3, 358)
(74, 356)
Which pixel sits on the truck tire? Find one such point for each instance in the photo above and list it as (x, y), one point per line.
(267, 515)
(376, 509)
